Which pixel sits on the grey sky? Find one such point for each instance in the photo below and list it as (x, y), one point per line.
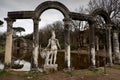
(49, 16)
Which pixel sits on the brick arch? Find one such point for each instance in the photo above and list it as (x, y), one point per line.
(102, 13)
(51, 5)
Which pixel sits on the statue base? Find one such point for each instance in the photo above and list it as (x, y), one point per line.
(50, 68)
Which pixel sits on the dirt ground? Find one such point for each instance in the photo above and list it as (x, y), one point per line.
(112, 74)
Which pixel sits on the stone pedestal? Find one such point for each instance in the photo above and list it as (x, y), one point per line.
(50, 68)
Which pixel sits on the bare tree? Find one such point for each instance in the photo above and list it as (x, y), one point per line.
(78, 29)
(112, 7)
(45, 33)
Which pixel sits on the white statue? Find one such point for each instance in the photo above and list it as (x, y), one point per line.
(54, 44)
(45, 54)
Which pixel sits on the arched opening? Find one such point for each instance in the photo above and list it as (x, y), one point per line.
(98, 13)
(80, 44)
(102, 13)
(38, 11)
(51, 19)
(52, 5)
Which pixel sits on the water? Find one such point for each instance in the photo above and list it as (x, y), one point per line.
(1, 66)
(26, 66)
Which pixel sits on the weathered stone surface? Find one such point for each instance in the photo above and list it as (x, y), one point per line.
(67, 14)
(52, 5)
(50, 68)
(8, 47)
(21, 14)
(67, 25)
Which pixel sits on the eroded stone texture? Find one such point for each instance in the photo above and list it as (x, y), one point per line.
(8, 47)
(35, 42)
(116, 46)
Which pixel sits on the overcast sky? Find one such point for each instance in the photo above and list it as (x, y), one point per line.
(47, 17)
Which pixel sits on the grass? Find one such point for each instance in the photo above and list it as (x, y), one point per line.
(91, 72)
(38, 75)
(32, 75)
(95, 72)
(86, 72)
(116, 67)
(24, 75)
(5, 73)
(70, 73)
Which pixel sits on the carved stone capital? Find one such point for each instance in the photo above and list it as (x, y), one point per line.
(67, 20)
(36, 20)
(9, 20)
(9, 25)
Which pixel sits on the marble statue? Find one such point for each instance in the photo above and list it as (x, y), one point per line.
(45, 54)
(54, 45)
(50, 55)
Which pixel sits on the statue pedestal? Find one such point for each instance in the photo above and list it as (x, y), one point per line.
(50, 68)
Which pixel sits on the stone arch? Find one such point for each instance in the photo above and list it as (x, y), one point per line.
(51, 5)
(67, 23)
(108, 25)
(102, 13)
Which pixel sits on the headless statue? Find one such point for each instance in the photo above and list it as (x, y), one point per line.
(54, 44)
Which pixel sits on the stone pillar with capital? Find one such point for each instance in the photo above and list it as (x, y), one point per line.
(109, 45)
(35, 42)
(116, 46)
(8, 46)
(92, 46)
(67, 25)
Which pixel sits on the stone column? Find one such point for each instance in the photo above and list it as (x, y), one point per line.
(35, 42)
(92, 46)
(8, 46)
(109, 46)
(97, 43)
(67, 25)
(97, 51)
(116, 46)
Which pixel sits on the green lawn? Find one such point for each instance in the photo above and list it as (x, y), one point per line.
(116, 67)
(37, 75)
(23, 74)
(85, 72)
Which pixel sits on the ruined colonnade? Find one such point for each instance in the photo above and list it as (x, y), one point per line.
(68, 17)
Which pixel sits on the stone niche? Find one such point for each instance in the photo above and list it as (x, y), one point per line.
(22, 48)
